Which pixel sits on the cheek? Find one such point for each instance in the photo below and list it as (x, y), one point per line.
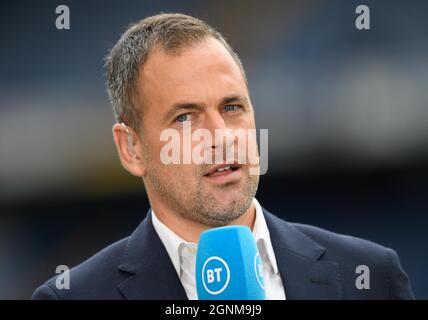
(247, 121)
(159, 151)
(183, 177)
(184, 174)
(251, 124)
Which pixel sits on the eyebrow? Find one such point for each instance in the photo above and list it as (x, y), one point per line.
(201, 106)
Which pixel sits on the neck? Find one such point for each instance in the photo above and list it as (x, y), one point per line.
(190, 230)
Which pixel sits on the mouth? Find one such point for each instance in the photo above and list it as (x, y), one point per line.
(224, 173)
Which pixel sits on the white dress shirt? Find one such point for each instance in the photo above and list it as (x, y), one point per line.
(183, 256)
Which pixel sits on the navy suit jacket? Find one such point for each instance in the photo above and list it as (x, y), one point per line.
(313, 263)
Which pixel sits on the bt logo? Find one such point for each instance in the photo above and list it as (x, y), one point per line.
(215, 275)
(258, 269)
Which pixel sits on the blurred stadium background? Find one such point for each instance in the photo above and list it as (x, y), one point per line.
(346, 110)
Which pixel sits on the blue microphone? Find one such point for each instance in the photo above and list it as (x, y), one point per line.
(228, 265)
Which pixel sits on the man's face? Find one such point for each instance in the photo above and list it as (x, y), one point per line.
(202, 86)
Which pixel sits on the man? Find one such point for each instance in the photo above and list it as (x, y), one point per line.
(170, 70)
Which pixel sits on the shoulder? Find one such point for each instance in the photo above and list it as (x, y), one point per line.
(338, 244)
(355, 256)
(95, 278)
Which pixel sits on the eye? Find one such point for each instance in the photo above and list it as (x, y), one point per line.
(183, 117)
(231, 108)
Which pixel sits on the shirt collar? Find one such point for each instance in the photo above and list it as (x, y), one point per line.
(174, 244)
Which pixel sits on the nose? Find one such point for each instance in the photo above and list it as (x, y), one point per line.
(223, 137)
(214, 120)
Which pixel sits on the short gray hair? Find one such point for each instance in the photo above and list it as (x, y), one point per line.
(172, 32)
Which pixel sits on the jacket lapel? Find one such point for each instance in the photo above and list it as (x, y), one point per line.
(304, 274)
(151, 272)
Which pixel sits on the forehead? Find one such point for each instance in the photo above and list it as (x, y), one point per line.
(205, 71)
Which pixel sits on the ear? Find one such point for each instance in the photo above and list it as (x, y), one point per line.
(129, 148)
